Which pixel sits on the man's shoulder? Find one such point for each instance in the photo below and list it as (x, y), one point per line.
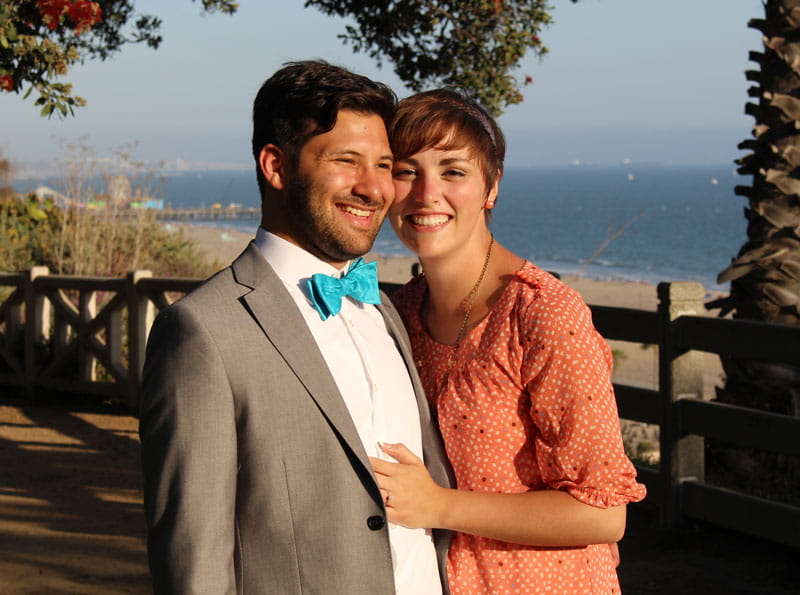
(212, 309)
(233, 280)
(219, 284)
(214, 300)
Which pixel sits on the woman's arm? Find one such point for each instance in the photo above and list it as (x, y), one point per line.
(542, 517)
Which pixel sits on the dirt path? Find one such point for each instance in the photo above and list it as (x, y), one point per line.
(71, 519)
(70, 502)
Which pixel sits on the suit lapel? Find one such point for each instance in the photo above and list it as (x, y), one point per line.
(432, 446)
(433, 449)
(276, 313)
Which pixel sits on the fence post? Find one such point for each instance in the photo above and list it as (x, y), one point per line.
(680, 375)
(15, 329)
(87, 310)
(37, 325)
(140, 319)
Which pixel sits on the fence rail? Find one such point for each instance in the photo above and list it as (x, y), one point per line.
(87, 335)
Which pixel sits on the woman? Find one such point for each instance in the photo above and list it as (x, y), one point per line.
(515, 371)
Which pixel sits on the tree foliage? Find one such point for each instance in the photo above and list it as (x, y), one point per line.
(40, 40)
(474, 45)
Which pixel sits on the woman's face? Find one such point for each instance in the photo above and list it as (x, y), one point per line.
(440, 195)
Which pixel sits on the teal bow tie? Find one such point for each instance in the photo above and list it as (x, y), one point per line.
(360, 282)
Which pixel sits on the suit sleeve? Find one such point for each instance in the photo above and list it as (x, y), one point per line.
(188, 433)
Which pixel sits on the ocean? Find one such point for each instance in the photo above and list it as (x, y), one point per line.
(629, 222)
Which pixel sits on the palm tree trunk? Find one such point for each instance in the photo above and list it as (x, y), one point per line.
(765, 275)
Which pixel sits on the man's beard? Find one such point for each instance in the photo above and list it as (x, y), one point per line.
(317, 231)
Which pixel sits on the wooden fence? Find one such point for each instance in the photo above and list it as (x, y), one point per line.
(87, 335)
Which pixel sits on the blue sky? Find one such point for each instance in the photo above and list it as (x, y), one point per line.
(645, 80)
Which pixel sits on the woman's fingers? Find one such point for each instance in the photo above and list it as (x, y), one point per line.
(400, 453)
(407, 490)
(381, 467)
(386, 495)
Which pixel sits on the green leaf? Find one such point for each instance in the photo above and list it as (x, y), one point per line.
(36, 213)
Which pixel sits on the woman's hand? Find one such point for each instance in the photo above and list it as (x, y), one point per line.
(412, 498)
(538, 517)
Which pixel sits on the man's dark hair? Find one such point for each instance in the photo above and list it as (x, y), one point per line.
(303, 99)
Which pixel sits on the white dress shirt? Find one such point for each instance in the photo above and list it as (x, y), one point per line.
(373, 380)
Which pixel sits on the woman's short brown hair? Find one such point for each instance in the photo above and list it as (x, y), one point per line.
(446, 119)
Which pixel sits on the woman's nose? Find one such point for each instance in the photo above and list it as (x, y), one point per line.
(425, 190)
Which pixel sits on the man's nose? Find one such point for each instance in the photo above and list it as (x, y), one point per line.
(372, 183)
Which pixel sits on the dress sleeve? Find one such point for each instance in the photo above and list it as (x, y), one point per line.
(566, 368)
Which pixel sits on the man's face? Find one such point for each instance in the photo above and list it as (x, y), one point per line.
(340, 190)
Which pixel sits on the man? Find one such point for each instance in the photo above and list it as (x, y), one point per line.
(262, 405)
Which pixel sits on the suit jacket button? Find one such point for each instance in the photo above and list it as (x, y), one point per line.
(375, 523)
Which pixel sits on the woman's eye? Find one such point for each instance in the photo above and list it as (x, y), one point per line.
(454, 172)
(402, 174)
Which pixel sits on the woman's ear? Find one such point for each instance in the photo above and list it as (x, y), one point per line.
(272, 162)
(491, 197)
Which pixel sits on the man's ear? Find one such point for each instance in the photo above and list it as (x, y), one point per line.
(272, 162)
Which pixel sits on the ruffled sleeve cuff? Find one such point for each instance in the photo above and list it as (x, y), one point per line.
(625, 493)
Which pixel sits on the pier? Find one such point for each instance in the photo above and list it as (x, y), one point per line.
(214, 213)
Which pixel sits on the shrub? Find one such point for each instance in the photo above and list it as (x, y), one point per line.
(105, 242)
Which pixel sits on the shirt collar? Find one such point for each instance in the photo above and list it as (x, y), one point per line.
(291, 263)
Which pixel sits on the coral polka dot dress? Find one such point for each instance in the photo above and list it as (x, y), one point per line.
(528, 405)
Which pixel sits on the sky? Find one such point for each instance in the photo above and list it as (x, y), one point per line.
(650, 81)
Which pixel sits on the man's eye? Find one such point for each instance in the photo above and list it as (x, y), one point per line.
(454, 172)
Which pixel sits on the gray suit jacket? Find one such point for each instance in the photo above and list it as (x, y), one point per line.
(255, 478)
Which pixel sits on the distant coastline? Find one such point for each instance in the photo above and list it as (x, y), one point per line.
(688, 221)
(38, 171)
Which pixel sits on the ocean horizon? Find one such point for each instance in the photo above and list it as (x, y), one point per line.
(628, 222)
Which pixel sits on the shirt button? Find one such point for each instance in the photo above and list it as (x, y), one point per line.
(375, 523)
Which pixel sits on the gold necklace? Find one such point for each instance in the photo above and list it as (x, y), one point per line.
(470, 299)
